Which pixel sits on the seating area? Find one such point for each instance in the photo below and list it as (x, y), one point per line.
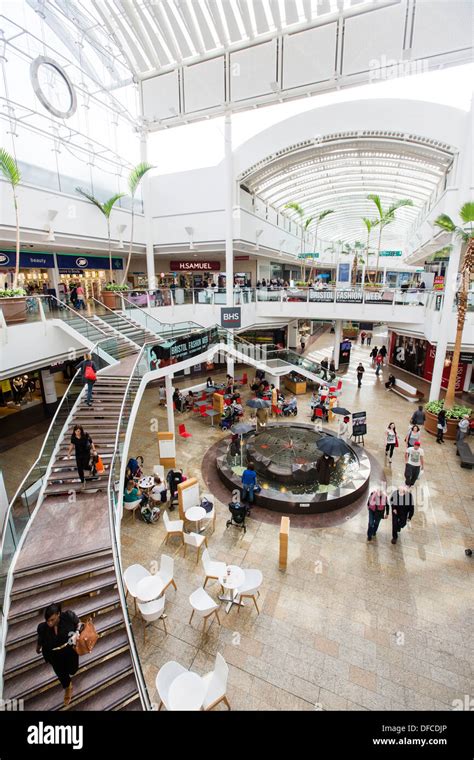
(406, 391)
(464, 452)
(181, 689)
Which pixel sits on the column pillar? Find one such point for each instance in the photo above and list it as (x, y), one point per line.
(53, 276)
(384, 276)
(228, 205)
(169, 402)
(447, 318)
(337, 341)
(150, 253)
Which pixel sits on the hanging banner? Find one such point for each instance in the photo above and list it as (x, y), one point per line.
(184, 347)
(359, 424)
(390, 253)
(27, 260)
(79, 263)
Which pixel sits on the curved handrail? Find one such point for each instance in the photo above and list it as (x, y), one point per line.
(116, 314)
(63, 304)
(188, 324)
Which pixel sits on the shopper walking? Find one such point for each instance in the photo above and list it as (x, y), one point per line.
(418, 417)
(378, 509)
(363, 337)
(413, 435)
(383, 353)
(360, 371)
(56, 639)
(403, 510)
(249, 482)
(302, 344)
(391, 442)
(373, 355)
(84, 448)
(378, 363)
(89, 376)
(441, 426)
(414, 462)
(343, 430)
(80, 303)
(369, 339)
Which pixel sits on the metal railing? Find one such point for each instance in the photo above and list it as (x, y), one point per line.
(163, 329)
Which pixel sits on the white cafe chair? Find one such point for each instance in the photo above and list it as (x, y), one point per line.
(213, 570)
(132, 576)
(151, 611)
(204, 605)
(172, 527)
(250, 587)
(132, 506)
(166, 572)
(216, 684)
(196, 540)
(165, 677)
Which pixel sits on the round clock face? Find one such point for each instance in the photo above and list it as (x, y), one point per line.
(53, 87)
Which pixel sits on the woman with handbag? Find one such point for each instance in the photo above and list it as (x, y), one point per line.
(56, 640)
(391, 442)
(84, 447)
(441, 426)
(89, 376)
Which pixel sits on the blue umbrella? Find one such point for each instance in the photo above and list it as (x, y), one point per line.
(258, 403)
(333, 446)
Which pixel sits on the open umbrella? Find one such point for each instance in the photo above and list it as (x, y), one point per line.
(341, 410)
(258, 403)
(241, 428)
(333, 446)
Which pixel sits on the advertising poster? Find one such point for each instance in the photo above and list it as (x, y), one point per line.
(417, 356)
(177, 349)
(359, 424)
(345, 352)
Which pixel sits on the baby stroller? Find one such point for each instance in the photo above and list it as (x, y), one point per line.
(290, 408)
(238, 513)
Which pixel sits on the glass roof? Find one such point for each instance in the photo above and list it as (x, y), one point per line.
(156, 35)
(339, 171)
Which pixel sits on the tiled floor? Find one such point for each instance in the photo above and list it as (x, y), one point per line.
(350, 625)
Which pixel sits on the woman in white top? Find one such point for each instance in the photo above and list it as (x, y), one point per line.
(390, 442)
(343, 429)
(414, 434)
(158, 492)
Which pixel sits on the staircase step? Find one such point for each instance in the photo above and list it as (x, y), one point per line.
(36, 602)
(41, 675)
(63, 488)
(113, 697)
(25, 654)
(60, 572)
(25, 630)
(83, 683)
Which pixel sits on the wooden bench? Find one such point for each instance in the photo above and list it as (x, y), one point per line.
(406, 391)
(463, 450)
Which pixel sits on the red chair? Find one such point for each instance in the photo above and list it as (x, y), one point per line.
(318, 413)
(276, 410)
(339, 385)
(221, 392)
(183, 432)
(227, 401)
(332, 390)
(202, 410)
(203, 396)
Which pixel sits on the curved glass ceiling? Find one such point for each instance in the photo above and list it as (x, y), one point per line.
(339, 171)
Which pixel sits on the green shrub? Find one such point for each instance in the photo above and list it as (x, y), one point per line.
(12, 292)
(455, 413)
(111, 286)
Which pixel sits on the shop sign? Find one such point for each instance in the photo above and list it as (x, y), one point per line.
(231, 316)
(201, 266)
(321, 295)
(349, 296)
(173, 351)
(27, 260)
(359, 424)
(390, 253)
(438, 282)
(466, 358)
(79, 263)
(241, 258)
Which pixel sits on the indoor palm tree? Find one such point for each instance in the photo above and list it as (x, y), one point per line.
(135, 177)
(353, 250)
(369, 225)
(106, 209)
(466, 234)
(386, 216)
(10, 171)
(294, 206)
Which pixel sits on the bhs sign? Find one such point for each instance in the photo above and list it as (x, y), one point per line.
(230, 316)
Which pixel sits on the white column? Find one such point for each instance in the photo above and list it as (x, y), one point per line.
(150, 254)
(384, 277)
(49, 388)
(169, 402)
(363, 275)
(447, 318)
(53, 276)
(337, 341)
(229, 203)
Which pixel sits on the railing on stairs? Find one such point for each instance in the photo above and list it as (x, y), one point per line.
(154, 325)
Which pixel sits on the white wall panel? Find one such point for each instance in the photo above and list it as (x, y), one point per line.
(374, 36)
(440, 27)
(252, 70)
(204, 85)
(160, 96)
(309, 56)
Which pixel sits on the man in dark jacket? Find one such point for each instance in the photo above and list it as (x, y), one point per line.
(403, 509)
(418, 417)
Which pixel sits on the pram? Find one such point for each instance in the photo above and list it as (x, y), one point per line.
(238, 513)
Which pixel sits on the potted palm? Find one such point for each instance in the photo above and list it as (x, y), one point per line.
(136, 176)
(386, 217)
(370, 224)
(13, 300)
(465, 234)
(108, 293)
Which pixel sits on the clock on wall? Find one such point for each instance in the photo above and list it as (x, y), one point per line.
(53, 87)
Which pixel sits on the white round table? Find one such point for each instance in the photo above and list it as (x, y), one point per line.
(149, 588)
(187, 692)
(232, 582)
(196, 514)
(146, 482)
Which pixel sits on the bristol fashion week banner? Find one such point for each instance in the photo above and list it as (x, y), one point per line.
(184, 347)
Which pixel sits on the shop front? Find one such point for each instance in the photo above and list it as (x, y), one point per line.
(36, 270)
(417, 356)
(92, 272)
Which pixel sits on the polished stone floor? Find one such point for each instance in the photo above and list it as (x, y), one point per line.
(350, 625)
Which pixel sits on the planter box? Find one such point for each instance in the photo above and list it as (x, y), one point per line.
(111, 300)
(14, 309)
(431, 422)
